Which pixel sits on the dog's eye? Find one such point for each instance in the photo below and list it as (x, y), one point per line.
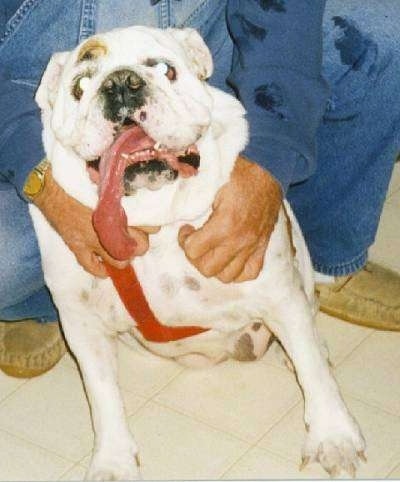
(80, 85)
(166, 69)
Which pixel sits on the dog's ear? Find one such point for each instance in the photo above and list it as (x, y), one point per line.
(47, 91)
(195, 49)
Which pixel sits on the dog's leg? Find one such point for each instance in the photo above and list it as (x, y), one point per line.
(115, 452)
(333, 436)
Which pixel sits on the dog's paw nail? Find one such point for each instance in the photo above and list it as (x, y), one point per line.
(137, 460)
(352, 471)
(304, 462)
(361, 455)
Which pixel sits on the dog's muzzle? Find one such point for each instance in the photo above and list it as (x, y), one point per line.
(122, 93)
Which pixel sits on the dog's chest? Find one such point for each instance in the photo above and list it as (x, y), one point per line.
(176, 291)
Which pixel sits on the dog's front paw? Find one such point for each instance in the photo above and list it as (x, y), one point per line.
(337, 447)
(116, 466)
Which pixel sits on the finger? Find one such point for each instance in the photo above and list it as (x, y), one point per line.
(185, 231)
(92, 264)
(146, 229)
(253, 266)
(103, 257)
(215, 260)
(206, 238)
(236, 266)
(142, 241)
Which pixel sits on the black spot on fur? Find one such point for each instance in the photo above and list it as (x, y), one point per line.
(275, 5)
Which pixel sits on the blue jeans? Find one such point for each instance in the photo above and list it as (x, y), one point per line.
(338, 207)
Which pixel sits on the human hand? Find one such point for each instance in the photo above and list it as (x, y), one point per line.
(73, 222)
(232, 243)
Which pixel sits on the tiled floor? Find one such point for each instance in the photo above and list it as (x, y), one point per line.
(235, 421)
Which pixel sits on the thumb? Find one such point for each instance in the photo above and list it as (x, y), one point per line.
(185, 231)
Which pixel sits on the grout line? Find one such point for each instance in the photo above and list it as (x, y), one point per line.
(13, 391)
(69, 469)
(255, 445)
(396, 464)
(241, 457)
(33, 444)
(172, 379)
(346, 357)
(371, 404)
(198, 420)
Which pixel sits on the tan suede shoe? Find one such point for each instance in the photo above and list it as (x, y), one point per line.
(370, 297)
(28, 348)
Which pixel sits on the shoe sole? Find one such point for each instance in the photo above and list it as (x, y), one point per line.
(377, 325)
(15, 372)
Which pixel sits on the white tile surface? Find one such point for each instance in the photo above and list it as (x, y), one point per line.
(386, 249)
(144, 375)
(76, 473)
(394, 185)
(371, 373)
(259, 464)
(173, 446)
(244, 399)
(52, 411)
(21, 460)
(381, 431)
(9, 385)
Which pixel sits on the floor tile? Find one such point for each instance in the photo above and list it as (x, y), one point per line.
(52, 411)
(386, 249)
(144, 374)
(76, 473)
(381, 431)
(341, 337)
(259, 464)
(394, 185)
(21, 460)
(243, 399)
(173, 446)
(395, 473)
(371, 373)
(9, 385)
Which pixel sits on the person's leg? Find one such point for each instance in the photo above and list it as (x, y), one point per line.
(27, 347)
(340, 205)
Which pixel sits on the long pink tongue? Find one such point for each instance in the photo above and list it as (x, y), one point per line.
(109, 218)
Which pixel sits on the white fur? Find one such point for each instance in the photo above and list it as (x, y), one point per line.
(91, 312)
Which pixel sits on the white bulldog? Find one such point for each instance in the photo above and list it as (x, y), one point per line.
(136, 98)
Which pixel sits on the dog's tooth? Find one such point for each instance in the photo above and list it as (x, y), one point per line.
(157, 146)
(125, 156)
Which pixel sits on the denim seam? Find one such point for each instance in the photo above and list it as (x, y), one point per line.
(195, 12)
(345, 268)
(27, 82)
(164, 14)
(16, 20)
(87, 25)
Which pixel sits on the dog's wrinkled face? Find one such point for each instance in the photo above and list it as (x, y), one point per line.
(138, 91)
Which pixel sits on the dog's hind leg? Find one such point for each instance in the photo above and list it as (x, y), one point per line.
(115, 452)
(333, 436)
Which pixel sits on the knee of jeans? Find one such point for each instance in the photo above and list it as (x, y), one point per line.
(356, 56)
(20, 268)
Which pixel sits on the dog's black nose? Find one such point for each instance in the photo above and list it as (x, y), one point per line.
(123, 92)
